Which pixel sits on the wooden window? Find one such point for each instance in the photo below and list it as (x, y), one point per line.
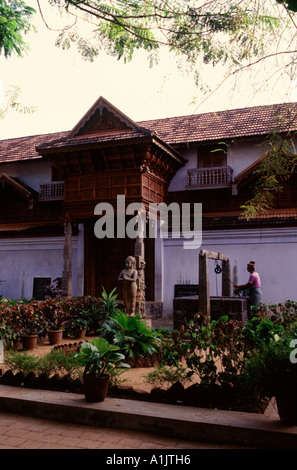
(39, 285)
(57, 174)
(211, 156)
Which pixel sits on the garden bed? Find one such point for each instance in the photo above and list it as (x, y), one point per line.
(134, 385)
(177, 394)
(206, 363)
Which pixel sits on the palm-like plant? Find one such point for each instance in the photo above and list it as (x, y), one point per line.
(131, 334)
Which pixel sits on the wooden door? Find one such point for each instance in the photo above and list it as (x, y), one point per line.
(105, 259)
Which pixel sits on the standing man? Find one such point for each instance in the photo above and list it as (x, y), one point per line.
(253, 284)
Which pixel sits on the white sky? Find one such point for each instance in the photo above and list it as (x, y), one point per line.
(64, 86)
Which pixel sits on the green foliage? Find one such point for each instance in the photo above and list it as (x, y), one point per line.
(164, 376)
(86, 308)
(12, 101)
(282, 313)
(215, 31)
(55, 317)
(109, 302)
(260, 330)
(7, 329)
(80, 322)
(58, 362)
(270, 371)
(212, 349)
(115, 378)
(21, 361)
(99, 357)
(276, 168)
(15, 18)
(27, 319)
(218, 350)
(55, 362)
(24, 316)
(131, 334)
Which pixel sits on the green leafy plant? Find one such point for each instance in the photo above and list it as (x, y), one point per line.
(213, 349)
(55, 362)
(81, 321)
(21, 361)
(164, 376)
(27, 319)
(109, 302)
(86, 307)
(14, 23)
(59, 362)
(260, 329)
(7, 329)
(55, 317)
(99, 357)
(131, 334)
(282, 313)
(270, 371)
(115, 377)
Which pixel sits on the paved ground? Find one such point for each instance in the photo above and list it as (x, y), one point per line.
(23, 432)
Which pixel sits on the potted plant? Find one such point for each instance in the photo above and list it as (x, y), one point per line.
(29, 322)
(56, 319)
(272, 372)
(99, 358)
(80, 323)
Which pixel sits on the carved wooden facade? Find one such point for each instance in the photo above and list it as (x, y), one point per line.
(104, 156)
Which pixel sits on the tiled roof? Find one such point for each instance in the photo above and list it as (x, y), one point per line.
(122, 138)
(80, 141)
(273, 218)
(23, 148)
(244, 122)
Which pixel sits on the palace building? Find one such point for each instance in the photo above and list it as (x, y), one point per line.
(52, 183)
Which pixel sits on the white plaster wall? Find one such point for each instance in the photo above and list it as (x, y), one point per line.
(23, 259)
(179, 181)
(242, 155)
(274, 250)
(32, 173)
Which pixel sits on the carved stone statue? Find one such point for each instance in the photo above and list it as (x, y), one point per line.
(129, 278)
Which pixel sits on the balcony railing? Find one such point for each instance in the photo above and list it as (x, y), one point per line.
(205, 178)
(53, 191)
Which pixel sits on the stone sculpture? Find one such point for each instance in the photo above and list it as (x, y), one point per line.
(129, 277)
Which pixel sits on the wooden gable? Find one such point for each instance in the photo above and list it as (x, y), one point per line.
(102, 118)
(107, 154)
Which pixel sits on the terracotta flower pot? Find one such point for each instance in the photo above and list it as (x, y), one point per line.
(29, 342)
(55, 336)
(95, 388)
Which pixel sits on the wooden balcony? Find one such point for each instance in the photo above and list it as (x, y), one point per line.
(53, 191)
(209, 178)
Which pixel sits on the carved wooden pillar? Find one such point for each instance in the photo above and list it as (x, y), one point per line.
(67, 272)
(140, 266)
